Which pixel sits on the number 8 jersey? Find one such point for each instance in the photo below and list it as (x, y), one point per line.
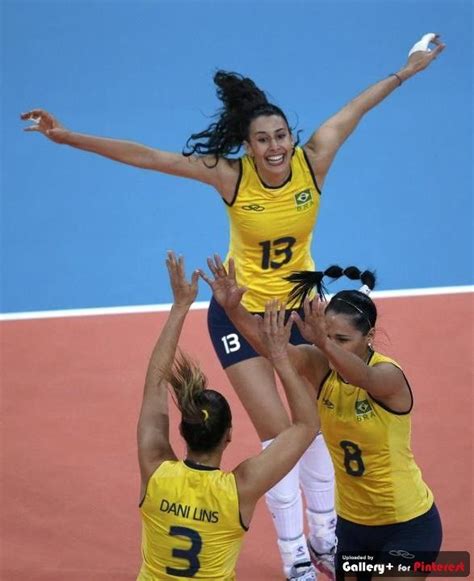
(378, 480)
(191, 525)
(271, 230)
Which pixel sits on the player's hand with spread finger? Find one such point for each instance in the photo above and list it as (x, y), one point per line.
(313, 327)
(276, 333)
(224, 286)
(45, 123)
(184, 291)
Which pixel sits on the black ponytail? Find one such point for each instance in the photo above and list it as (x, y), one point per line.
(242, 102)
(367, 277)
(307, 280)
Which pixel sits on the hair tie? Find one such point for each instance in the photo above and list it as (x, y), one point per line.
(205, 413)
(364, 289)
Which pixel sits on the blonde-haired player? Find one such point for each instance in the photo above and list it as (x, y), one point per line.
(194, 514)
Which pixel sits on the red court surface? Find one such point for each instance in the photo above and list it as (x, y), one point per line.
(71, 393)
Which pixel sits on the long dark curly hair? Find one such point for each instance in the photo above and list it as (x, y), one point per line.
(242, 102)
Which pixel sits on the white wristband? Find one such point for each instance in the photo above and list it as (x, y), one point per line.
(423, 43)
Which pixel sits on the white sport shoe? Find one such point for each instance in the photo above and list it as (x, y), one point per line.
(303, 571)
(324, 562)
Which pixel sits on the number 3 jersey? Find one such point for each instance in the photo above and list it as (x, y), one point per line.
(191, 525)
(271, 230)
(378, 481)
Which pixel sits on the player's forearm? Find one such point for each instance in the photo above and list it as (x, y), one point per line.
(345, 121)
(153, 423)
(119, 150)
(163, 354)
(302, 407)
(377, 92)
(351, 367)
(374, 95)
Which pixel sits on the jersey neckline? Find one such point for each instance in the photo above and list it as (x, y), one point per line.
(195, 466)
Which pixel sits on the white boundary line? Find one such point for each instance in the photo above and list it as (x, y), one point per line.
(96, 312)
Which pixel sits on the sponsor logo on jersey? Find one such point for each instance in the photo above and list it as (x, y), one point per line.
(304, 200)
(328, 403)
(253, 208)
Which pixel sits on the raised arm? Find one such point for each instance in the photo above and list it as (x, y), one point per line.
(153, 424)
(385, 382)
(223, 176)
(258, 474)
(324, 144)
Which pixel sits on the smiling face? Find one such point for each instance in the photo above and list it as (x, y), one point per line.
(270, 144)
(341, 329)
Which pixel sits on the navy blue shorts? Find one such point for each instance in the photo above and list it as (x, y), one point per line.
(229, 344)
(418, 539)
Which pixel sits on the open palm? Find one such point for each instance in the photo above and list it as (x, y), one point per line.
(224, 286)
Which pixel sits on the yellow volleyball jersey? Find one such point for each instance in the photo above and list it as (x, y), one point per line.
(271, 230)
(191, 527)
(378, 480)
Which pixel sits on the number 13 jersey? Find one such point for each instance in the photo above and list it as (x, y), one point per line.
(271, 230)
(378, 480)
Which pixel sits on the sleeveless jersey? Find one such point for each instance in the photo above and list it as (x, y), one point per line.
(191, 524)
(271, 230)
(378, 481)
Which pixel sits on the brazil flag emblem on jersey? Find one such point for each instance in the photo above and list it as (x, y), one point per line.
(303, 200)
(362, 407)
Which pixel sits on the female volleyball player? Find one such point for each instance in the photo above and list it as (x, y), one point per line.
(364, 401)
(272, 200)
(194, 515)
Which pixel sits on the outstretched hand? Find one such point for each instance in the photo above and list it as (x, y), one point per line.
(275, 332)
(45, 123)
(421, 56)
(224, 285)
(313, 327)
(184, 292)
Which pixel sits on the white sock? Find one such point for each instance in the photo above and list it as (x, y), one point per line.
(286, 507)
(317, 482)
